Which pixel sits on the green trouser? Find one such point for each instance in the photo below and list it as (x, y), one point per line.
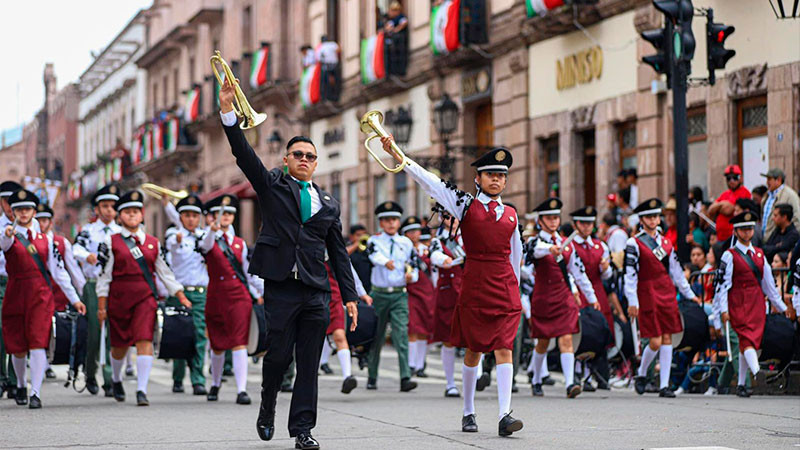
(196, 364)
(731, 368)
(390, 307)
(7, 375)
(93, 341)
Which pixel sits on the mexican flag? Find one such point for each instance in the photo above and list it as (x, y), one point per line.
(258, 70)
(147, 144)
(309, 85)
(372, 64)
(136, 147)
(74, 190)
(541, 7)
(192, 108)
(444, 27)
(116, 169)
(158, 139)
(171, 134)
(101, 176)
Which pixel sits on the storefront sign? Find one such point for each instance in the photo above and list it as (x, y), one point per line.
(476, 84)
(333, 136)
(581, 67)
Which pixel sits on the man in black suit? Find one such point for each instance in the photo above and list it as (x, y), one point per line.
(299, 222)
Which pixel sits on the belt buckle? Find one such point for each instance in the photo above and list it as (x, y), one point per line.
(390, 290)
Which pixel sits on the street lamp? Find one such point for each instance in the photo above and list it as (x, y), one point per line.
(274, 142)
(401, 126)
(445, 116)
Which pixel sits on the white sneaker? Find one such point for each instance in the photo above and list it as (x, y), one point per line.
(711, 391)
(679, 391)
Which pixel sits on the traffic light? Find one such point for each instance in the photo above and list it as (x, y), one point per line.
(661, 39)
(718, 55)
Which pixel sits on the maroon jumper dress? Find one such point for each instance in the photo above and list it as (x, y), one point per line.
(229, 303)
(421, 297)
(335, 306)
(591, 255)
(746, 307)
(448, 289)
(554, 311)
(658, 304)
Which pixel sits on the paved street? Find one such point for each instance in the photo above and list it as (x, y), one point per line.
(388, 419)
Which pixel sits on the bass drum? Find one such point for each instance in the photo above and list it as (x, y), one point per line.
(778, 340)
(257, 336)
(177, 337)
(595, 334)
(361, 339)
(694, 336)
(62, 336)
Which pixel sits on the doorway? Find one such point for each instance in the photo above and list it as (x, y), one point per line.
(589, 168)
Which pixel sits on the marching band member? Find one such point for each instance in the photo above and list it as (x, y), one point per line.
(230, 296)
(447, 278)
(127, 293)
(44, 214)
(651, 268)
(554, 307)
(745, 279)
(390, 253)
(88, 252)
(488, 311)
(420, 299)
(33, 265)
(8, 380)
(183, 245)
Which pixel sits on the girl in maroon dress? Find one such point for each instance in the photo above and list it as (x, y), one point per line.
(745, 279)
(487, 313)
(420, 299)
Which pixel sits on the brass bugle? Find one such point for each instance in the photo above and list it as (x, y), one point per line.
(159, 192)
(362, 242)
(248, 117)
(372, 122)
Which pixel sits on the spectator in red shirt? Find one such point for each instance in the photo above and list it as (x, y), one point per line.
(671, 219)
(722, 208)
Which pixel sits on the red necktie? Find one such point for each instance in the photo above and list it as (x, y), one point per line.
(30, 235)
(492, 205)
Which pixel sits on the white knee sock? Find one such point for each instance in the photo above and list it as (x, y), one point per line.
(665, 361)
(326, 352)
(38, 367)
(217, 363)
(422, 350)
(345, 362)
(412, 355)
(568, 367)
(647, 357)
(538, 363)
(469, 378)
(751, 357)
(19, 369)
(116, 369)
(449, 365)
(505, 374)
(742, 370)
(240, 369)
(143, 365)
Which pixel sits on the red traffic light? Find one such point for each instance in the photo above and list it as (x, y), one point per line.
(721, 37)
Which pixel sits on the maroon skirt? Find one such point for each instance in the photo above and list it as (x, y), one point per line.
(748, 315)
(336, 313)
(658, 308)
(27, 313)
(228, 310)
(131, 312)
(421, 298)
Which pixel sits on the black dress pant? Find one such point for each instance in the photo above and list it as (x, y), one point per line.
(298, 317)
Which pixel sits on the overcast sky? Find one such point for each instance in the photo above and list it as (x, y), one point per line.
(35, 32)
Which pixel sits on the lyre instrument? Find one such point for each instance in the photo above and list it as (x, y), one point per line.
(247, 115)
(159, 192)
(373, 122)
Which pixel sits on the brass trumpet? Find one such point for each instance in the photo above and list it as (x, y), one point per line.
(248, 116)
(362, 242)
(372, 121)
(161, 192)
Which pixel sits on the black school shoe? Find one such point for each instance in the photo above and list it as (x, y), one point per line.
(508, 425)
(469, 424)
(349, 384)
(141, 399)
(92, 387)
(213, 394)
(536, 390)
(326, 369)
(640, 384)
(119, 391)
(372, 384)
(177, 387)
(587, 387)
(483, 381)
(21, 396)
(667, 393)
(548, 381)
(407, 385)
(573, 390)
(49, 374)
(741, 391)
(242, 398)
(199, 389)
(35, 402)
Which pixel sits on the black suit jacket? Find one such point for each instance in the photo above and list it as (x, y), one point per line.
(284, 239)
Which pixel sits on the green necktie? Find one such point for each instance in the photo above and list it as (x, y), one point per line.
(305, 200)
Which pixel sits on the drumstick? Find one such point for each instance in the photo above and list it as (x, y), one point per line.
(565, 244)
(635, 332)
(728, 339)
(103, 343)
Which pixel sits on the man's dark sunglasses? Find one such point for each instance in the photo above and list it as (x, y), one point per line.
(298, 155)
(732, 177)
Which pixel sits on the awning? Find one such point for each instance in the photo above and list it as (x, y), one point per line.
(241, 190)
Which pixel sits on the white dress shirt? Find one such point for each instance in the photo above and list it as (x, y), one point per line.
(617, 239)
(172, 214)
(575, 267)
(796, 287)
(73, 269)
(383, 248)
(163, 272)
(316, 204)
(185, 258)
(207, 244)
(632, 273)
(767, 282)
(86, 243)
(606, 253)
(634, 196)
(55, 264)
(454, 201)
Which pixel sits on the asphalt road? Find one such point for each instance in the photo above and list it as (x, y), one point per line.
(388, 419)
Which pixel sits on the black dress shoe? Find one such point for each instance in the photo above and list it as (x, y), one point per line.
(508, 425)
(573, 390)
(108, 391)
(741, 391)
(469, 424)
(407, 385)
(587, 387)
(483, 381)
(199, 389)
(49, 374)
(141, 399)
(536, 390)
(35, 403)
(11, 392)
(326, 369)
(667, 393)
(92, 387)
(119, 391)
(372, 384)
(22, 396)
(421, 373)
(177, 387)
(349, 384)
(242, 398)
(213, 394)
(227, 372)
(548, 381)
(305, 441)
(452, 392)
(265, 424)
(640, 384)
